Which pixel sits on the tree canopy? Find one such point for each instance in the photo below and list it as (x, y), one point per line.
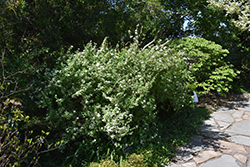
(239, 7)
(147, 66)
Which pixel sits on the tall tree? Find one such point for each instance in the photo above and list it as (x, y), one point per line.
(219, 25)
(239, 7)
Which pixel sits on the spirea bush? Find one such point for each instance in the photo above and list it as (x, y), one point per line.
(96, 96)
(207, 69)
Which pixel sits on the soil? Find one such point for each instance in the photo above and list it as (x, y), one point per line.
(213, 101)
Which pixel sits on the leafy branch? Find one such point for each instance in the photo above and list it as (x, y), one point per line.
(10, 80)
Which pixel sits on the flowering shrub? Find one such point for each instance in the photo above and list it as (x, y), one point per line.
(205, 64)
(96, 96)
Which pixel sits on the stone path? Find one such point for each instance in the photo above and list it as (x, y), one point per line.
(223, 141)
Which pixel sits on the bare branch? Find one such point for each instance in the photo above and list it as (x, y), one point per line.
(18, 72)
(14, 92)
(161, 34)
(2, 64)
(11, 80)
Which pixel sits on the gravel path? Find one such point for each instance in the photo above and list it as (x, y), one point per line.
(223, 141)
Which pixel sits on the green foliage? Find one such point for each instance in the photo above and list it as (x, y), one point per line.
(97, 97)
(216, 25)
(17, 145)
(106, 163)
(15, 150)
(206, 66)
(241, 8)
(156, 144)
(20, 147)
(103, 99)
(133, 160)
(57, 24)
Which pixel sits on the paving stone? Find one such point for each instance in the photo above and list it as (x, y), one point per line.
(248, 164)
(206, 155)
(242, 127)
(223, 125)
(195, 145)
(240, 105)
(247, 112)
(230, 134)
(185, 153)
(210, 123)
(225, 146)
(244, 106)
(227, 110)
(222, 117)
(238, 119)
(238, 114)
(241, 158)
(210, 128)
(246, 117)
(173, 165)
(183, 156)
(213, 133)
(223, 161)
(241, 140)
(189, 164)
(242, 97)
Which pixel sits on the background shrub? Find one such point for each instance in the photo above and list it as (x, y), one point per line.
(18, 145)
(206, 66)
(134, 160)
(98, 96)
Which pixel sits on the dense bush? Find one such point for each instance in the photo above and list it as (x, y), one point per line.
(134, 160)
(18, 145)
(206, 66)
(14, 150)
(97, 97)
(245, 67)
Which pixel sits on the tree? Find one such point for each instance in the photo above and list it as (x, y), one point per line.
(216, 24)
(239, 7)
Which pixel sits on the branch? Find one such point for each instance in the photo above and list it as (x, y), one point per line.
(18, 72)
(14, 92)
(161, 34)
(2, 63)
(11, 76)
